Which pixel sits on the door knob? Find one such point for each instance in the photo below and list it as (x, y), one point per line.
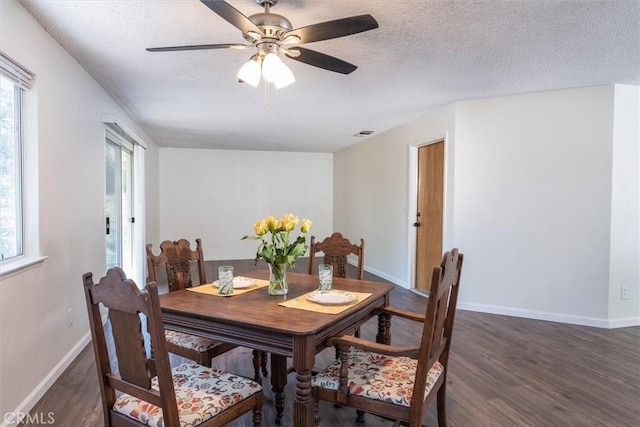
(416, 224)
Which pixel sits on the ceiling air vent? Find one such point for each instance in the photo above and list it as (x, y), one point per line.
(364, 133)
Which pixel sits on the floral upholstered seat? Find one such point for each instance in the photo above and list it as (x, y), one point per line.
(377, 376)
(201, 393)
(192, 342)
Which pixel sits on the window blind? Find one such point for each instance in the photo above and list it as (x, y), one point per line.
(16, 72)
(116, 135)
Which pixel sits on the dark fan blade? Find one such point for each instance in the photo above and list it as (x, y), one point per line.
(199, 47)
(333, 29)
(232, 16)
(317, 59)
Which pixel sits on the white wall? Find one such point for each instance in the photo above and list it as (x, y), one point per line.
(372, 192)
(625, 206)
(529, 191)
(532, 203)
(36, 344)
(217, 195)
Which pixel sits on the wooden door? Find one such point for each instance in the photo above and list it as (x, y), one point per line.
(430, 212)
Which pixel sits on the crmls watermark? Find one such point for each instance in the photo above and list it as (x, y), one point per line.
(37, 418)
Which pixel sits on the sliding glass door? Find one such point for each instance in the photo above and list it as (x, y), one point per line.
(119, 220)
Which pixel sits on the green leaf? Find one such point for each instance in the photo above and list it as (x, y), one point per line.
(297, 250)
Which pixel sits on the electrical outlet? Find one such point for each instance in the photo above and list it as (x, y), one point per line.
(624, 292)
(69, 317)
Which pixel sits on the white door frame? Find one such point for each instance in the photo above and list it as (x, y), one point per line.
(412, 203)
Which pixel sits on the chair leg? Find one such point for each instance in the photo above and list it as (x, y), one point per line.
(441, 406)
(257, 362)
(359, 416)
(257, 416)
(337, 405)
(264, 356)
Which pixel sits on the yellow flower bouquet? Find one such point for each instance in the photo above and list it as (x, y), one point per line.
(276, 249)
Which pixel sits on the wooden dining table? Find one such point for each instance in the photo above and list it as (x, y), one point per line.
(256, 320)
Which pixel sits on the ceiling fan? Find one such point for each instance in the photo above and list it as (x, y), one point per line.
(270, 34)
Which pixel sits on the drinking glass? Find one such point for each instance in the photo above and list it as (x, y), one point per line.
(225, 278)
(325, 273)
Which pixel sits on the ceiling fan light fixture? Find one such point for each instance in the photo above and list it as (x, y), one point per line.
(271, 67)
(276, 72)
(250, 71)
(285, 77)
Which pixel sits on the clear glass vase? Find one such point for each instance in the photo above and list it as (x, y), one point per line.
(278, 279)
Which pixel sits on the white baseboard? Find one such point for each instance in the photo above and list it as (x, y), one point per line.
(382, 274)
(30, 401)
(624, 322)
(551, 317)
(526, 314)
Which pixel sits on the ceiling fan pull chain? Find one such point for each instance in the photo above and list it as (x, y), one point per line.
(265, 103)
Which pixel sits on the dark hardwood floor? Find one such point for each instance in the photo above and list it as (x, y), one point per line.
(504, 372)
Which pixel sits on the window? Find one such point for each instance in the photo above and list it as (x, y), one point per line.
(14, 79)
(10, 170)
(19, 249)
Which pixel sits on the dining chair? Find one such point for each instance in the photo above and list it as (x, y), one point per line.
(398, 382)
(177, 258)
(145, 390)
(336, 248)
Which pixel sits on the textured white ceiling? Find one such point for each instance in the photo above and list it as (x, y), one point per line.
(425, 54)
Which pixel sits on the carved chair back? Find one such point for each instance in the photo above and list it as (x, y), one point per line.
(336, 249)
(177, 258)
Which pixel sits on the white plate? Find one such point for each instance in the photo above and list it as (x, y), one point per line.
(239, 282)
(333, 297)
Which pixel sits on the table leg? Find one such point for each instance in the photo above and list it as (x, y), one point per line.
(303, 360)
(278, 383)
